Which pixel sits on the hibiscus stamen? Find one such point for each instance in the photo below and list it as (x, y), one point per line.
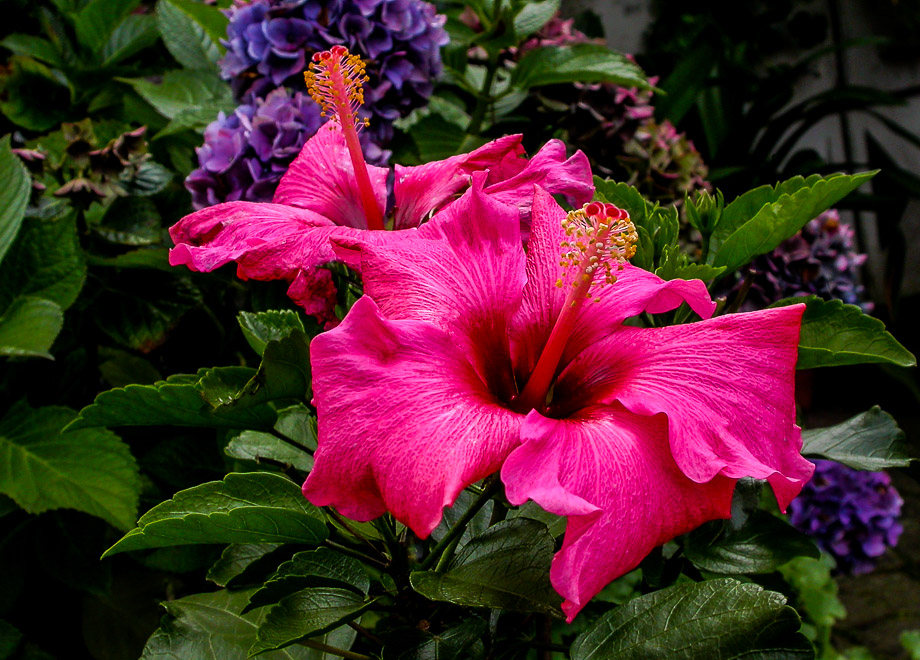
(335, 81)
(601, 238)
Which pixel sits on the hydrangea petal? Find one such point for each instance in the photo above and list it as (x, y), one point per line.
(423, 189)
(611, 472)
(634, 292)
(322, 179)
(404, 421)
(726, 385)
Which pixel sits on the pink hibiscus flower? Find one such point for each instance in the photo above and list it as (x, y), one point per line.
(329, 191)
(468, 355)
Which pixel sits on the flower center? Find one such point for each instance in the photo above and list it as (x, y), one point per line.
(601, 239)
(335, 81)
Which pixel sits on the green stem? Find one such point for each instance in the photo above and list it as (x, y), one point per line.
(348, 528)
(704, 254)
(742, 292)
(360, 556)
(397, 555)
(682, 314)
(342, 653)
(483, 99)
(448, 555)
(457, 530)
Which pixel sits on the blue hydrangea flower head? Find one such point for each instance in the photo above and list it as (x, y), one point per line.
(269, 43)
(820, 260)
(852, 515)
(245, 153)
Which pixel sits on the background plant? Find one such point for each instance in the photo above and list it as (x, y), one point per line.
(105, 102)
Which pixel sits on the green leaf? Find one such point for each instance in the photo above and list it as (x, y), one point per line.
(254, 507)
(675, 264)
(758, 221)
(32, 46)
(197, 118)
(436, 138)
(150, 257)
(453, 514)
(44, 468)
(46, 262)
(723, 619)
(834, 334)
(761, 545)
(868, 441)
(29, 326)
(179, 91)
(14, 195)
(658, 250)
(257, 446)
(209, 627)
(177, 401)
(132, 35)
(534, 15)
(307, 613)
(96, 21)
(151, 178)
(625, 197)
(144, 323)
(9, 640)
(298, 423)
(555, 524)
(209, 16)
(314, 568)
(816, 590)
(283, 374)
(34, 96)
(130, 221)
(120, 368)
(191, 32)
(589, 63)
(910, 640)
(506, 567)
(262, 327)
(236, 559)
(463, 642)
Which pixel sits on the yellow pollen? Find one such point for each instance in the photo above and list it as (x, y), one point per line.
(605, 239)
(336, 82)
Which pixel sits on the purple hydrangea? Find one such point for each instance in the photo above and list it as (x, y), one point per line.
(269, 43)
(245, 153)
(852, 515)
(820, 260)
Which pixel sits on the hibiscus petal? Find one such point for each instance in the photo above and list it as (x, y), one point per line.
(268, 242)
(611, 472)
(404, 422)
(423, 189)
(322, 179)
(634, 292)
(463, 272)
(550, 170)
(726, 385)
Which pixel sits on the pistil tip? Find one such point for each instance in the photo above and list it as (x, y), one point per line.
(335, 81)
(605, 240)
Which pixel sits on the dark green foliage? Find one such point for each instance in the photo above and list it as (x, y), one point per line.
(194, 390)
